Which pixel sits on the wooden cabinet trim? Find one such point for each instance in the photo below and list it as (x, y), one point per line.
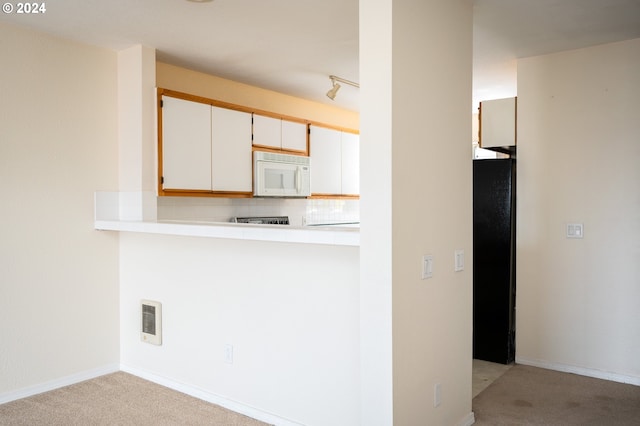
(160, 144)
(266, 148)
(204, 193)
(229, 105)
(335, 196)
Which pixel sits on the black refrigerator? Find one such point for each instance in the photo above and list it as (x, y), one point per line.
(494, 260)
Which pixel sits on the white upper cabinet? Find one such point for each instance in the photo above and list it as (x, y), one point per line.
(335, 162)
(279, 134)
(326, 161)
(230, 150)
(350, 163)
(498, 123)
(205, 148)
(267, 131)
(186, 144)
(294, 136)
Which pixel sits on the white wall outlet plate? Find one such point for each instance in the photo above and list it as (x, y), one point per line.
(427, 266)
(151, 316)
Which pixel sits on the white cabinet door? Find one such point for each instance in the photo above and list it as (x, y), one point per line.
(326, 163)
(279, 134)
(267, 131)
(350, 164)
(294, 136)
(498, 123)
(186, 144)
(231, 150)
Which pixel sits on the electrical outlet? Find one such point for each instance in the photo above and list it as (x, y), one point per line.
(228, 354)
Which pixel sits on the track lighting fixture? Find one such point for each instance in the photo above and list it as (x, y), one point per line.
(331, 94)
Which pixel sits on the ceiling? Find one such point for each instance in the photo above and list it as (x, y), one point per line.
(292, 46)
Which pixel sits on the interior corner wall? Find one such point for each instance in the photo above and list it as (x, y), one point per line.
(578, 300)
(416, 193)
(58, 276)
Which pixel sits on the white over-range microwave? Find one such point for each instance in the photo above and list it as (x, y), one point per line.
(281, 175)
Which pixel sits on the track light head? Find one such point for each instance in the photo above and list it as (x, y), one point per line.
(331, 94)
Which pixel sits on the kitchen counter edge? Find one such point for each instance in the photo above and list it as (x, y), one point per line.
(238, 231)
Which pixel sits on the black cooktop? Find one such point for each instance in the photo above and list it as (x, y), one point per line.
(265, 220)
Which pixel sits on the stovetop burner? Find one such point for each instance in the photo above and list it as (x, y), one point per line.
(264, 220)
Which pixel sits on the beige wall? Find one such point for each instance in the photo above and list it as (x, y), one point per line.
(58, 276)
(578, 300)
(415, 201)
(432, 210)
(208, 86)
(290, 311)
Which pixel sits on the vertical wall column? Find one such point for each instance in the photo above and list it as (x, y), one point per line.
(416, 192)
(376, 371)
(136, 133)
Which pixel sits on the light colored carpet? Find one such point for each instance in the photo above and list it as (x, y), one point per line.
(118, 399)
(485, 373)
(534, 396)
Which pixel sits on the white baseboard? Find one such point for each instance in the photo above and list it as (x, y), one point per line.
(58, 383)
(204, 395)
(468, 420)
(589, 372)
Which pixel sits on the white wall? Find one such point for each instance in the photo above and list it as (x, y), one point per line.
(58, 276)
(578, 301)
(416, 200)
(289, 310)
(376, 281)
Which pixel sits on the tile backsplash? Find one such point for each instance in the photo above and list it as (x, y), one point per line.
(300, 211)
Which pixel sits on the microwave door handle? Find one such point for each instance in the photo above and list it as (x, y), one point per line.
(298, 180)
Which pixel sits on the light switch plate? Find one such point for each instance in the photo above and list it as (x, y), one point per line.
(575, 230)
(427, 266)
(458, 260)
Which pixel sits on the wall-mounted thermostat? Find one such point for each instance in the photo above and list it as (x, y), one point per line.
(151, 313)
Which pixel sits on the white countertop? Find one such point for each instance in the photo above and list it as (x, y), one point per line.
(331, 235)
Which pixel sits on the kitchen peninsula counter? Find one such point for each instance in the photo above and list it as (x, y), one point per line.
(116, 211)
(328, 235)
